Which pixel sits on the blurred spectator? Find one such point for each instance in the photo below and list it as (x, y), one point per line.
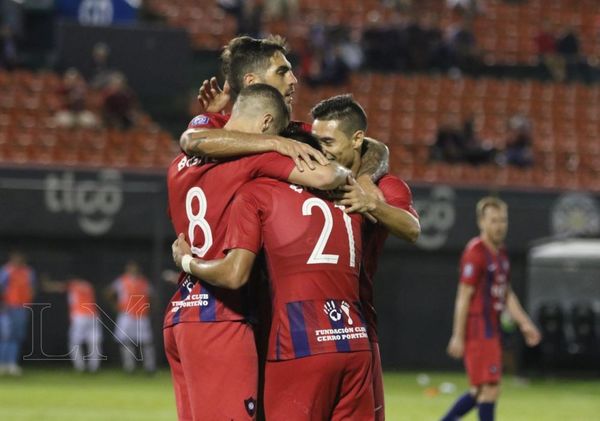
(455, 143)
(17, 288)
(101, 72)
(462, 47)
(328, 68)
(247, 13)
(567, 46)
(518, 150)
(8, 48)
(471, 7)
(281, 9)
(545, 42)
(351, 51)
(119, 107)
(73, 112)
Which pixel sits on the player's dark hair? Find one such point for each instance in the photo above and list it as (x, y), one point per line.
(245, 55)
(344, 108)
(489, 202)
(263, 97)
(295, 131)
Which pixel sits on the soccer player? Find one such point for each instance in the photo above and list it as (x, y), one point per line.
(246, 61)
(131, 292)
(17, 287)
(208, 342)
(389, 201)
(318, 364)
(85, 327)
(483, 293)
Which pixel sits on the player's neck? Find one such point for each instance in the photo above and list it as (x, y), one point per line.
(355, 167)
(490, 244)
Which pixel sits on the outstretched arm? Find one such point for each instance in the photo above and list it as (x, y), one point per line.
(221, 143)
(456, 346)
(231, 272)
(531, 333)
(375, 159)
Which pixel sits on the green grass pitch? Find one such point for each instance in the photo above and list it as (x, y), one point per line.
(60, 394)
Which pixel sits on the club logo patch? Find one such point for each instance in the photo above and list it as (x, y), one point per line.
(199, 120)
(250, 405)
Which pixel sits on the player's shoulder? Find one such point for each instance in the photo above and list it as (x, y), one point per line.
(209, 121)
(391, 181)
(475, 246)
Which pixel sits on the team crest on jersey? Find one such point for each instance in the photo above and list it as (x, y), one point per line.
(199, 120)
(250, 405)
(468, 270)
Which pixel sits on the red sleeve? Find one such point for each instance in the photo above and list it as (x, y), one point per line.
(208, 121)
(244, 225)
(397, 193)
(272, 165)
(472, 266)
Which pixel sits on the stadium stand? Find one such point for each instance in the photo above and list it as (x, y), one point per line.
(29, 135)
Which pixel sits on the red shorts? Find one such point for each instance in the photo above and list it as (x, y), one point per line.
(214, 369)
(336, 386)
(378, 383)
(483, 361)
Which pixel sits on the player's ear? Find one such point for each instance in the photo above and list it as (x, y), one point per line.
(267, 123)
(249, 79)
(357, 140)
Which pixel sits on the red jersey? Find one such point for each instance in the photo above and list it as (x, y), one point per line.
(200, 192)
(133, 293)
(488, 272)
(397, 194)
(82, 298)
(313, 252)
(16, 284)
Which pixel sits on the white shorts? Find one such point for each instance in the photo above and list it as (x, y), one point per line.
(132, 329)
(84, 329)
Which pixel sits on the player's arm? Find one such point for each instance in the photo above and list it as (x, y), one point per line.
(221, 143)
(375, 161)
(322, 177)
(530, 332)
(456, 346)
(231, 272)
(364, 197)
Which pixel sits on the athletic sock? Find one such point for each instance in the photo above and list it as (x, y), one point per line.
(486, 411)
(461, 406)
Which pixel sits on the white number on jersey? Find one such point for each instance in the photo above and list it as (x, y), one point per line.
(317, 256)
(197, 220)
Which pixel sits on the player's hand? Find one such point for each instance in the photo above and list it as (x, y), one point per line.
(302, 154)
(531, 334)
(456, 347)
(368, 186)
(211, 98)
(180, 248)
(356, 199)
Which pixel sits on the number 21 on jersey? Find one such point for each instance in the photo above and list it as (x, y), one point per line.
(317, 256)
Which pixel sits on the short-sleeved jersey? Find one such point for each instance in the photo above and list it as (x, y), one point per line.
(488, 272)
(397, 194)
(313, 251)
(200, 192)
(17, 284)
(133, 295)
(81, 297)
